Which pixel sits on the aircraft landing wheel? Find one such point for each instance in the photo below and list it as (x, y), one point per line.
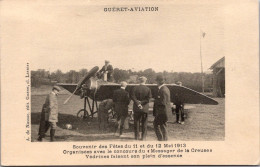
(81, 113)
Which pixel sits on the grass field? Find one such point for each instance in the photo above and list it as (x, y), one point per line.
(204, 122)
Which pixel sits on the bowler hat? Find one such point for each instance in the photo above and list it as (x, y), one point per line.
(160, 78)
(57, 88)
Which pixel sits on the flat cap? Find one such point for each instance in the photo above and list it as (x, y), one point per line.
(179, 83)
(106, 61)
(57, 88)
(142, 79)
(123, 84)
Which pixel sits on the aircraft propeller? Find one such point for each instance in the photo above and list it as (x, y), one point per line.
(82, 81)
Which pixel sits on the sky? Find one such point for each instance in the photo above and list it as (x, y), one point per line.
(79, 34)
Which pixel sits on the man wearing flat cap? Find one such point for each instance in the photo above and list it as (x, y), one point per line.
(141, 95)
(121, 101)
(107, 71)
(162, 106)
(49, 114)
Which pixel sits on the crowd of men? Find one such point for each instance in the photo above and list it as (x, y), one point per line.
(141, 95)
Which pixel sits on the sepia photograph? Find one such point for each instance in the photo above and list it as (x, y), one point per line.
(111, 82)
(114, 82)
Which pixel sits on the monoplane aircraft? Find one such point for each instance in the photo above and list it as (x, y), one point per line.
(97, 90)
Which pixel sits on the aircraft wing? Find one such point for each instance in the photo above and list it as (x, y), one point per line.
(179, 94)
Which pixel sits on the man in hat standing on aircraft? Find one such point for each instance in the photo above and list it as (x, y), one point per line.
(121, 101)
(49, 114)
(162, 106)
(107, 71)
(141, 95)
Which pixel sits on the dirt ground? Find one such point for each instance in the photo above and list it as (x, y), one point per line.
(203, 122)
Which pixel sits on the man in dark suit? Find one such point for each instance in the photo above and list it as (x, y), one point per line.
(141, 95)
(180, 112)
(49, 114)
(162, 106)
(107, 71)
(179, 109)
(121, 101)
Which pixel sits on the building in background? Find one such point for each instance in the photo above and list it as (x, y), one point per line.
(219, 78)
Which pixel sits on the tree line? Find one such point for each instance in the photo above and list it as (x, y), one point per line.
(191, 80)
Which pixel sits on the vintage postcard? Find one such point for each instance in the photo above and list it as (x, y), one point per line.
(173, 82)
